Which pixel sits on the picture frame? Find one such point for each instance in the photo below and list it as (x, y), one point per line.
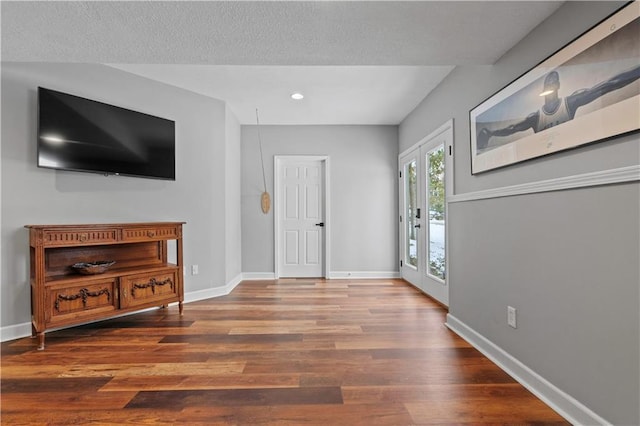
(586, 92)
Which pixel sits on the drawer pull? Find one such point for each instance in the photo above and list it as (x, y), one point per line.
(153, 283)
(84, 294)
(151, 234)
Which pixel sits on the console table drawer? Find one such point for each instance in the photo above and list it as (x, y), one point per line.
(79, 236)
(82, 300)
(147, 288)
(146, 233)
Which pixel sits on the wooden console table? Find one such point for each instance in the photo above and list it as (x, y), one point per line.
(141, 278)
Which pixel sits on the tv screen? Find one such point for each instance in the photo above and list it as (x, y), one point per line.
(79, 134)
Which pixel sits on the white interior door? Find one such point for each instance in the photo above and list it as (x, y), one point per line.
(300, 217)
(425, 182)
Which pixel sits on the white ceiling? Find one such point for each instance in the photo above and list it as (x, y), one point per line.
(356, 62)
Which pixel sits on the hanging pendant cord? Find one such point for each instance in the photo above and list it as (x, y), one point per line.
(264, 179)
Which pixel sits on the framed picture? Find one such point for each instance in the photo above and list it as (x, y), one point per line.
(588, 91)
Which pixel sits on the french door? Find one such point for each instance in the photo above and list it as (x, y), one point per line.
(423, 191)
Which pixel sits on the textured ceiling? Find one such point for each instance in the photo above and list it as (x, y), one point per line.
(358, 62)
(333, 94)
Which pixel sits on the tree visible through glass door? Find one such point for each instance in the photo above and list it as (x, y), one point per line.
(411, 197)
(436, 205)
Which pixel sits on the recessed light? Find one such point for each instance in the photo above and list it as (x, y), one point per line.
(297, 96)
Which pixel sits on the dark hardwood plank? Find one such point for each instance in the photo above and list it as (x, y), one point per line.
(180, 399)
(237, 338)
(137, 324)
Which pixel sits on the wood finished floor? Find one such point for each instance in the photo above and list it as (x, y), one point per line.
(293, 352)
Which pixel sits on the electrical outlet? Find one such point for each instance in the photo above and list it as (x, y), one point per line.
(194, 269)
(512, 316)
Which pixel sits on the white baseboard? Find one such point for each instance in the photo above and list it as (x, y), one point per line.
(564, 404)
(18, 331)
(194, 296)
(332, 275)
(234, 282)
(364, 275)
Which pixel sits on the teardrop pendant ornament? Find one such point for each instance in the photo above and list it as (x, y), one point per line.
(265, 202)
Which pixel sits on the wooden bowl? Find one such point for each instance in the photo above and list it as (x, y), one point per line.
(93, 268)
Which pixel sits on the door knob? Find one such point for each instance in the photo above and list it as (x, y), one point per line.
(416, 226)
(321, 224)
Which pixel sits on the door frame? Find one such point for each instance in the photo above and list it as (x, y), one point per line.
(444, 131)
(278, 162)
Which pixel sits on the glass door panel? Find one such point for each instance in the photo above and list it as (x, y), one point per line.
(435, 196)
(411, 209)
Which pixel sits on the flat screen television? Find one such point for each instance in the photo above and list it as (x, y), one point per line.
(80, 134)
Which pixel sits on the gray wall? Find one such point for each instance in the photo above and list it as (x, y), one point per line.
(567, 260)
(363, 164)
(205, 137)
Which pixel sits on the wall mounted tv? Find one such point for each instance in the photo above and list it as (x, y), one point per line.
(79, 134)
